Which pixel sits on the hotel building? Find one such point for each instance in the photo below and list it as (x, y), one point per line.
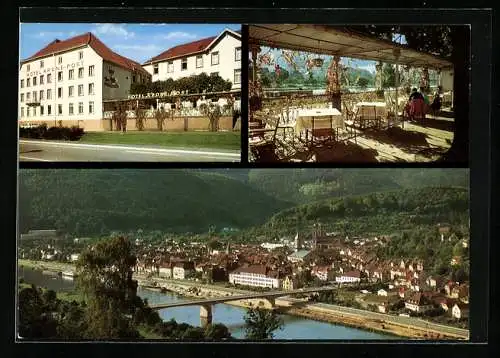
(255, 275)
(212, 55)
(69, 81)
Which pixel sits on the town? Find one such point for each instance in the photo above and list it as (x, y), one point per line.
(402, 286)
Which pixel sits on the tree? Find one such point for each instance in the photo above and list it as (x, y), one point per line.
(388, 76)
(217, 332)
(105, 277)
(140, 118)
(363, 82)
(260, 323)
(160, 115)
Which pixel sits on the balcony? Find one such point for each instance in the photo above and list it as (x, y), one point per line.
(33, 103)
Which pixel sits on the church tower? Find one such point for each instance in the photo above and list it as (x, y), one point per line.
(298, 242)
(227, 248)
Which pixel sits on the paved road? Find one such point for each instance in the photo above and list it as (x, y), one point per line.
(410, 321)
(47, 151)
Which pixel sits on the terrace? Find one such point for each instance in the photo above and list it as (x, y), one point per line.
(343, 122)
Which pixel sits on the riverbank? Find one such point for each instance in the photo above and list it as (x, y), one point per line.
(365, 320)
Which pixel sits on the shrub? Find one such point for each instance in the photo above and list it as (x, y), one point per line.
(73, 133)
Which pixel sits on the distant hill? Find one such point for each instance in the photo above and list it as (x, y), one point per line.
(382, 213)
(312, 184)
(85, 202)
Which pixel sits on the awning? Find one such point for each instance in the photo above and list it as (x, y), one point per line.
(335, 40)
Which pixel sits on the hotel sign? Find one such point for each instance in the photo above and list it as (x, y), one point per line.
(150, 95)
(55, 68)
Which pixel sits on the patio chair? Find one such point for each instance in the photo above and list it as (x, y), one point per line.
(367, 117)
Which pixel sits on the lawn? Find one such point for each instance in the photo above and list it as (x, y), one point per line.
(219, 140)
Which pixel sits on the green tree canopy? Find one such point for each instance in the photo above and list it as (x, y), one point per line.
(260, 324)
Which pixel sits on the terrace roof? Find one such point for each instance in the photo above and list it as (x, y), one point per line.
(330, 40)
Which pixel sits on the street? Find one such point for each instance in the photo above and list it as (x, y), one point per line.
(47, 151)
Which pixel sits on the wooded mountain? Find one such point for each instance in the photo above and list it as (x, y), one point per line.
(90, 202)
(83, 201)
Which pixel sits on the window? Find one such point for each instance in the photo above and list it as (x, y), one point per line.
(27, 112)
(80, 90)
(42, 79)
(28, 96)
(71, 74)
(59, 109)
(49, 110)
(80, 55)
(170, 66)
(41, 95)
(215, 58)
(80, 107)
(237, 76)
(59, 76)
(91, 71)
(133, 79)
(59, 60)
(22, 83)
(91, 107)
(22, 111)
(237, 54)
(91, 88)
(28, 82)
(70, 91)
(199, 61)
(22, 97)
(34, 111)
(41, 64)
(155, 69)
(34, 81)
(80, 72)
(41, 110)
(184, 64)
(70, 111)
(27, 68)
(34, 96)
(49, 78)
(59, 92)
(49, 94)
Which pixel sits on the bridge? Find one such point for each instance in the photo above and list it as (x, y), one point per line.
(207, 303)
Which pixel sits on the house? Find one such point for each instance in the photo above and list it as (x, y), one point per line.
(382, 292)
(448, 287)
(255, 275)
(460, 310)
(165, 270)
(219, 54)
(74, 257)
(418, 302)
(349, 277)
(290, 283)
(182, 270)
(299, 256)
(444, 302)
(455, 260)
(324, 273)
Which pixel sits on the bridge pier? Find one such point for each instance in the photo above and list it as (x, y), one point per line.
(205, 314)
(272, 301)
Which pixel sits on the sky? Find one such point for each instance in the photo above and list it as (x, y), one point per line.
(138, 42)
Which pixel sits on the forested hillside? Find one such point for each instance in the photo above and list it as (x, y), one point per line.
(171, 200)
(312, 184)
(379, 213)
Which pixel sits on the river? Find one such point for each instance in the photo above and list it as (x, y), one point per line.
(294, 328)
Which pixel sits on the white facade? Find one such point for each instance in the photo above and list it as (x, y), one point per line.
(222, 56)
(71, 85)
(348, 279)
(254, 279)
(179, 273)
(165, 272)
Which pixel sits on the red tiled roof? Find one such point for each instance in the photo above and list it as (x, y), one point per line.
(185, 49)
(97, 45)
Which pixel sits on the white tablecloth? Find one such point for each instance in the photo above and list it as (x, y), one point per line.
(322, 118)
(369, 109)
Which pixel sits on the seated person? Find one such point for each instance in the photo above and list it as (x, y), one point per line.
(415, 95)
(424, 96)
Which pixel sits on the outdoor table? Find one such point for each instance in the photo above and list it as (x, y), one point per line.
(367, 109)
(317, 118)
